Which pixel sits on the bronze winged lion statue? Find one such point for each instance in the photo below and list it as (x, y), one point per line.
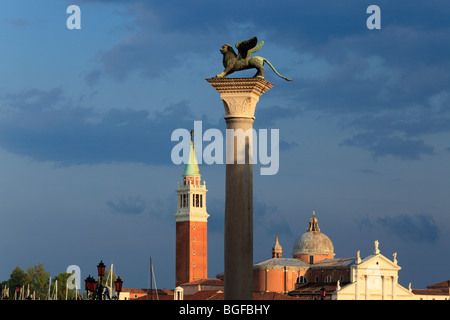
(243, 60)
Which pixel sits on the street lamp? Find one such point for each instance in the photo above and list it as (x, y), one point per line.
(96, 290)
(18, 291)
(118, 286)
(323, 292)
(89, 284)
(101, 269)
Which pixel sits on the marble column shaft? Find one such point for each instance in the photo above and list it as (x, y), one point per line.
(239, 96)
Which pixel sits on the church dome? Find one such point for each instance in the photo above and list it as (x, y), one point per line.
(313, 242)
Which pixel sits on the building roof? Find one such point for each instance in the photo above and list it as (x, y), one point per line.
(274, 296)
(212, 295)
(219, 295)
(281, 262)
(191, 167)
(431, 292)
(154, 297)
(443, 284)
(313, 288)
(334, 263)
(148, 291)
(438, 289)
(149, 294)
(205, 295)
(204, 282)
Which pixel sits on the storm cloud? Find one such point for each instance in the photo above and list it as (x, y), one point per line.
(416, 228)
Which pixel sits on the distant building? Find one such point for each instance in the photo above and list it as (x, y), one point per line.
(312, 273)
(191, 225)
(314, 270)
(438, 291)
(146, 294)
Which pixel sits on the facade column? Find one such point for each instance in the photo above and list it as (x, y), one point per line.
(394, 285)
(239, 96)
(366, 283)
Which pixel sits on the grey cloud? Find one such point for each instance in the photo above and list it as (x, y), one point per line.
(216, 209)
(42, 125)
(391, 86)
(411, 228)
(127, 206)
(267, 117)
(285, 146)
(417, 228)
(92, 77)
(267, 217)
(365, 224)
(382, 146)
(371, 74)
(18, 22)
(163, 208)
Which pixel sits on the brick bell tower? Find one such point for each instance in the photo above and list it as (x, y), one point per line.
(191, 224)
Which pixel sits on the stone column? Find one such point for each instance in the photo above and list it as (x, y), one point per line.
(394, 285)
(239, 96)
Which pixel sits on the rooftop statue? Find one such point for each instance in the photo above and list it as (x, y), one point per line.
(243, 60)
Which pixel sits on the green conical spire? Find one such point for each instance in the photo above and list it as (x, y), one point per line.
(191, 167)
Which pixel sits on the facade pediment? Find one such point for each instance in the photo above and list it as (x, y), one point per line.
(378, 261)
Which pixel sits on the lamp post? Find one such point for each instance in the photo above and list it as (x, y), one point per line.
(18, 287)
(118, 286)
(101, 269)
(95, 289)
(323, 292)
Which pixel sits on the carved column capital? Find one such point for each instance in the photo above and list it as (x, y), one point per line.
(240, 95)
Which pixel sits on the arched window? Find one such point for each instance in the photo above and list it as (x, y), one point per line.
(301, 279)
(328, 279)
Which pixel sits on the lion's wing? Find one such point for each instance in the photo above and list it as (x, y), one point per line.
(245, 47)
(256, 48)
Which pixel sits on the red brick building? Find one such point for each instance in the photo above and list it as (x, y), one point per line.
(313, 262)
(191, 225)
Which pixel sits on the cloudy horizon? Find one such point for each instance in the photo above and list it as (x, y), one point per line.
(86, 118)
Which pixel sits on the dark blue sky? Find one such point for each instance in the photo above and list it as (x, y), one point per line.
(86, 118)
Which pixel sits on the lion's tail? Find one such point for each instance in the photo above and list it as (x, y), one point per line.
(265, 60)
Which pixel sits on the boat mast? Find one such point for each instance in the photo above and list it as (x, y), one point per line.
(151, 279)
